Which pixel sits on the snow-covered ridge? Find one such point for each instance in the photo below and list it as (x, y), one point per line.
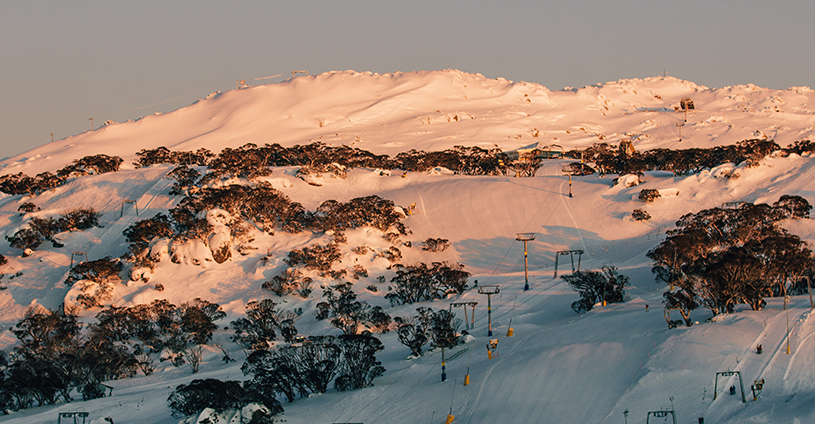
(434, 110)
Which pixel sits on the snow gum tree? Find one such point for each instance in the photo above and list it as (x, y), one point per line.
(262, 323)
(417, 283)
(439, 327)
(606, 285)
(717, 258)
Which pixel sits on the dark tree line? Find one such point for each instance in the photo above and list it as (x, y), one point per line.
(613, 159)
(148, 157)
(718, 258)
(250, 161)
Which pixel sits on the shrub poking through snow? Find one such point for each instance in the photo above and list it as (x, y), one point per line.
(649, 195)
(317, 257)
(290, 281)
(392, 254)
(27, 207)
(640, 215)
(436, 244)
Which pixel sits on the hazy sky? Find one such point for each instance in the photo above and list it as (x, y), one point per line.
(63, 62)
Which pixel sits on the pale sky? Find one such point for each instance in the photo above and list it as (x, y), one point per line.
(64, 62)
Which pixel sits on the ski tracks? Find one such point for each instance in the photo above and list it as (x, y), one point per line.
(105, 242)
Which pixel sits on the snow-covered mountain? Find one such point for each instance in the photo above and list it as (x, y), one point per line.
(558, 367)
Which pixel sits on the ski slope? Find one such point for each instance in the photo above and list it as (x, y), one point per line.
(558, 367)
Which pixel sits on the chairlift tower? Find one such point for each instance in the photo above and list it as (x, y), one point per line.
(74, 417)
(468, 324)
(526, 237)
(570, 253)
(662, 413)
(489, 291)
(786, 300)
(567, 169)
(686, 104)
(128, 202)
(728, 374)
(78, 254)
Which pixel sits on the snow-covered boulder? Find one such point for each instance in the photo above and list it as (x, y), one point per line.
(628, 180)
(220, 239)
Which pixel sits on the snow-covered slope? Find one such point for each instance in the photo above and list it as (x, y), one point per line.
(392, 113)
(558, 367)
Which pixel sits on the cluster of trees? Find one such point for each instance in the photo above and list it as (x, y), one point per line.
(348, 360)
(604, 286)
(348, 314)
(261, 204)
(372, 211)
(418, 283)
(56, 353)
(41, 229)
(148, 157)
(251, 161)
(262, 324)
(23, 184)
(221, 396)
(717, 258)
(439, 328)
(291, 370)
(265, 208)
(618, 160)
(640, 215)
(89, 165)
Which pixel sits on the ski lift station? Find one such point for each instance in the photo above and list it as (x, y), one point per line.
(542, 151)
